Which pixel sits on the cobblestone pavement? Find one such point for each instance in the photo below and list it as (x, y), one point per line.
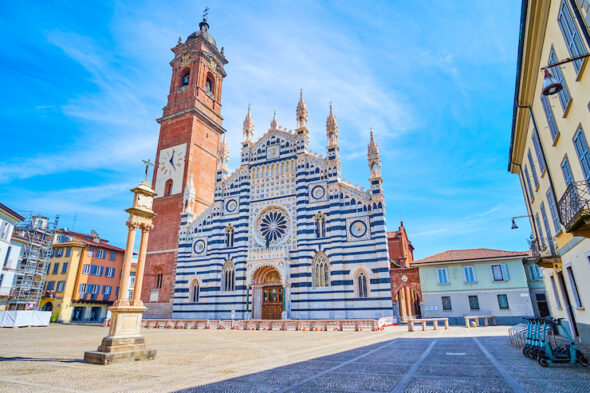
(455, 360)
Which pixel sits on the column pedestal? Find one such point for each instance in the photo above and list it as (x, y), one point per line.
(124, 342)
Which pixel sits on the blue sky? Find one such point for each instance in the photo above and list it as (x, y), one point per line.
(84, 82)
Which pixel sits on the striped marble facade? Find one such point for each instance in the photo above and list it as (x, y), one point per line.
(285, 218)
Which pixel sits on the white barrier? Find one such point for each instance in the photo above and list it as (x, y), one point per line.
(20, 318)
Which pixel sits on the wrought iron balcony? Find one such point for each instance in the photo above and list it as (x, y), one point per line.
(574, 209)
(545, 251)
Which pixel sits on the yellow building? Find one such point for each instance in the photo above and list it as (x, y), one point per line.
(549, 150)
(60, 282)
(82, 277)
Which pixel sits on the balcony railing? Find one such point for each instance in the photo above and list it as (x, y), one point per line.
(545, 250)
(574, 209)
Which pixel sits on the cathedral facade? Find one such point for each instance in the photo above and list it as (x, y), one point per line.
(285, 237)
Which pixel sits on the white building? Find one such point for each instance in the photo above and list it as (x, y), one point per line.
(476, 281)
(10, 249)
(286, 237)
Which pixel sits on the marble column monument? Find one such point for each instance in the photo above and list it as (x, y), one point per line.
(124, 341)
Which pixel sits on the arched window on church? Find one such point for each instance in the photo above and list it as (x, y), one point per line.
(194, 291)
(228, 276)
(185, 78)
(168, 187)
(362, 290)
(210, 85)
(321, 270)
(320, 225)
(229, 236)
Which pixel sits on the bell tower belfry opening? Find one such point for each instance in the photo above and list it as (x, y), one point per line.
(190, 134)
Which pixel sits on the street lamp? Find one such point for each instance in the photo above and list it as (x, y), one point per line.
(514, 226)
(552, 86)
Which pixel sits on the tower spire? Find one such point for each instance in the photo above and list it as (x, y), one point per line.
(223, 155)
(248, 126)
(332, 128)
(273, 123)
(374, 158)
(301, 111)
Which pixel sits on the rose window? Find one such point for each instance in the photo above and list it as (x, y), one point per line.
(273, 225)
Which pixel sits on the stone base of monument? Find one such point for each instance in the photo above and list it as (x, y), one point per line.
(124, 342)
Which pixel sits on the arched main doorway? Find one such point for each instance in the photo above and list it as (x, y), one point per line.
(48, 306)
(268, 294)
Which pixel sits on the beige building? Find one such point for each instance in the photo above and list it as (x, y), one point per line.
(549, 150)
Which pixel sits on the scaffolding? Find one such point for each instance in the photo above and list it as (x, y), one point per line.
(33, 263)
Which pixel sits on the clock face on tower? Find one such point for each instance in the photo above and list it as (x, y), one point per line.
(170, 167)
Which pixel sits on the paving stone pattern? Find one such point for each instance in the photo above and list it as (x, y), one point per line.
(49, 360)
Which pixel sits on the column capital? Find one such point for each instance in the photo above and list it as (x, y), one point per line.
(131, 225)
(146, 227)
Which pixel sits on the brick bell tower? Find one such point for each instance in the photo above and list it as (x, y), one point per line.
(190, 134)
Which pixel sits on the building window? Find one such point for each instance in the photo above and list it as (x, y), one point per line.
(566, 169)
(553, 210)
(101, 253)
(64, 268)
(68, 251)
(549, 116)
(7, 255)
(473, 302)
(50, 285)
(361, 285)
(535, 273)
(570, 34)
(540, 229)
(555, 293)
(582, 150)
(107, 289)
(564, 94)
(60, 286)
(229, 236)
(503, 302)
(110, 272)
(159, 281)
(55, 268)
(210, 85)
(572, 279)
(4, 230)
(168, 187)
(321, 271)
(112, 256)
(546, 224)
(500, 272)
(443, 275)
(185, 78)
(528, 183)
(90, 252)
(228, 276)
(538, 151)
(194, 291)
(320, 225)
(533, 170)
(469, 273)
(446, 303)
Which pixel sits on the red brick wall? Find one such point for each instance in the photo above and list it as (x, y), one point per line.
(202, 141)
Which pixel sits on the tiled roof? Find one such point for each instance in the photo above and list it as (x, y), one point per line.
(88, 240)
(470, 254)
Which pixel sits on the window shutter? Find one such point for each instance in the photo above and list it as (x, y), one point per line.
(505, 272)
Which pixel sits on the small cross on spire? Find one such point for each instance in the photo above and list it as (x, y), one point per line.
(147, 164)
(205, 13)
